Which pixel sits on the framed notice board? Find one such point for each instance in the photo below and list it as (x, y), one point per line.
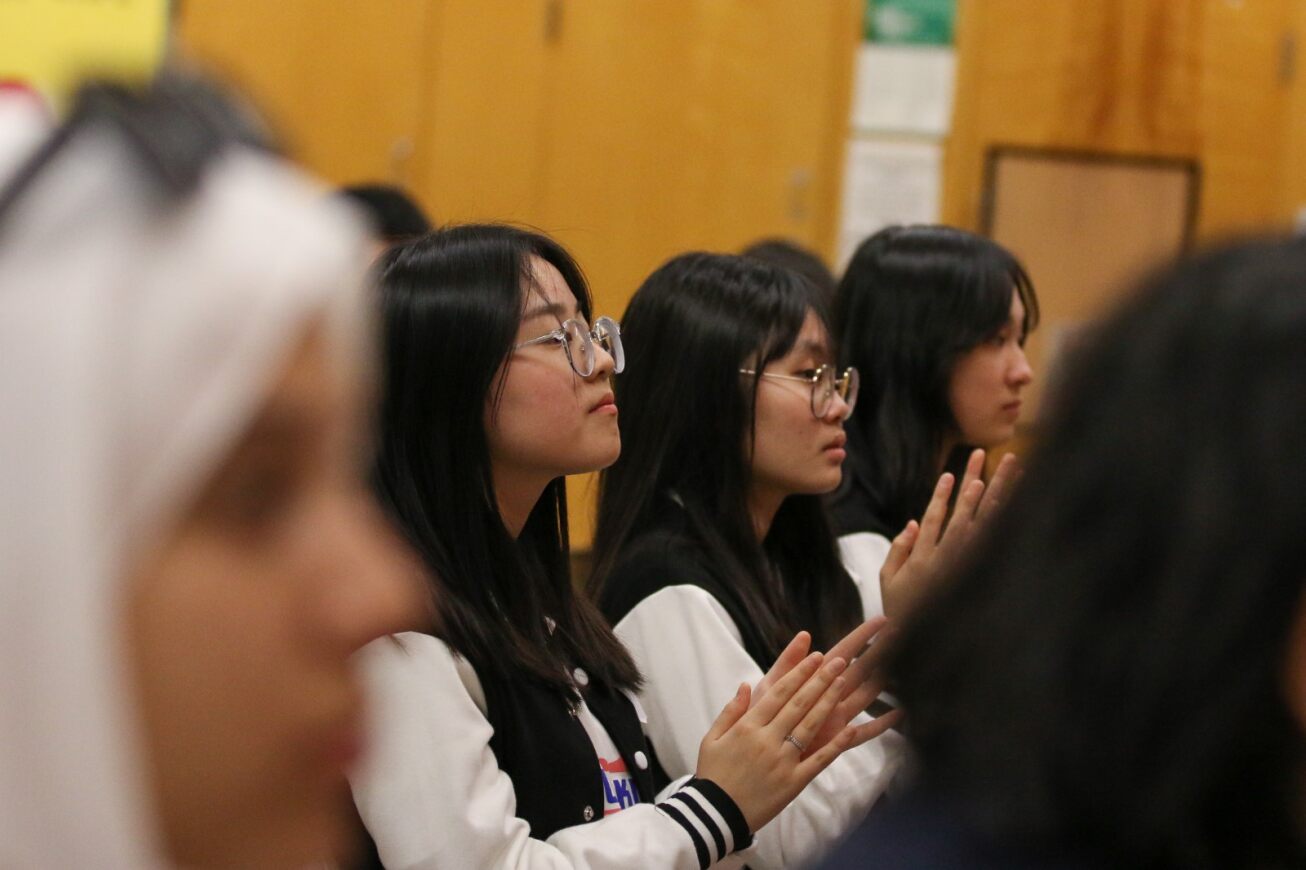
(1086, 226)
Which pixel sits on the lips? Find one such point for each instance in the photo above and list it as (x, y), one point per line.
(836, 443)
(608, 401)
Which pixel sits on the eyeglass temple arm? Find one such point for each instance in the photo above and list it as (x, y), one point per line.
(774, 375)
(556, 335)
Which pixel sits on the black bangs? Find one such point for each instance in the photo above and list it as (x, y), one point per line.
(984, 306)
(555, 255)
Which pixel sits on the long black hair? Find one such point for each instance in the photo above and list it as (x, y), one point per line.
(451, 305)
(1109, 670)
(687, 420)
(912, 301)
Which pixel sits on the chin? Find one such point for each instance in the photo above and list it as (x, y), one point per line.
(595, 460)
(988, 439)
(1000, 437)
(822, 485)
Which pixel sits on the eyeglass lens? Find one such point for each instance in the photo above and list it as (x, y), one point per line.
(825, 386)
(579, 344)
(580, 352)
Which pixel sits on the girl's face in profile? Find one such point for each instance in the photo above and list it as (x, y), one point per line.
(240, 626)
(549, 421)
(984, 391)
(795, 452)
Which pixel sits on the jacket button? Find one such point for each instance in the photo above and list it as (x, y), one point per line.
(589, 814)
(582, 678)
(641, 761)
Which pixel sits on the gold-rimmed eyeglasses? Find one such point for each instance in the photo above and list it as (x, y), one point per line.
(825, 384)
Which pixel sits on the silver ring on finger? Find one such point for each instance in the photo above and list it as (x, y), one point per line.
(789, 738)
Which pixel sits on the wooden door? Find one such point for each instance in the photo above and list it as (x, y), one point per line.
(343, 82)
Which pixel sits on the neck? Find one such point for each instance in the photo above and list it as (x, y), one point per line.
(949, 444)
(517, 493)
(763, 504)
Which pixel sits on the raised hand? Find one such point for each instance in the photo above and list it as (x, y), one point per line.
(863, 681)
(924, 552)
(764, 756)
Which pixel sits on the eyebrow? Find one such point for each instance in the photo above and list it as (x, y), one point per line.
(552, 308)
(816, 347)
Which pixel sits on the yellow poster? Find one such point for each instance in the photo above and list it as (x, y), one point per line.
(51, 45)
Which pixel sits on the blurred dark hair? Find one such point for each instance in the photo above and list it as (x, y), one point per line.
(790, 255)
(393, 214)
(1109, 668)
(451, 305)
(687, 418)
(912, 301)
(174, 127)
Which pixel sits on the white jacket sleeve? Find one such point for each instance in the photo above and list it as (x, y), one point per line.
(693, 661)
(432, 795)
(863, 556)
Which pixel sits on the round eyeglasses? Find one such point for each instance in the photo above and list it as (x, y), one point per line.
(578, 342)
(824, 386)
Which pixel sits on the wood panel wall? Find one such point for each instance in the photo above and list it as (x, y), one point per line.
(631, 130)
(1211, 80)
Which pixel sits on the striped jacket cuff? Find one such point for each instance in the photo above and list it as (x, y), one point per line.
(710, 817)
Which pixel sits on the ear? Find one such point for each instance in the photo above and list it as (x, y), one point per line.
(1294, 670)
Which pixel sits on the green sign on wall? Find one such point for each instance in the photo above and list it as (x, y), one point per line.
(911, 22)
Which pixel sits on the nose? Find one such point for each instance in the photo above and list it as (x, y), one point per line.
(838, 411)
(604, 364)
(1019, 374)
(370, 578)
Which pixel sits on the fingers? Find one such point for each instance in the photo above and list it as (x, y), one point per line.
(974, 472)
(998, 489)
(854, 643)
(935, 515)
(730, 714)
(805, 732)
(778, 695)
(963, 517)
(850, 737)
(856, 735)
(808, 697)
(872, 653)
(859, 699)
(899, 551)
(794, 653)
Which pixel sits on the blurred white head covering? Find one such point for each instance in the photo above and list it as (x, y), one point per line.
(146, 304)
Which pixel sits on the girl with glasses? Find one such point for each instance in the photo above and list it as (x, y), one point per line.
(935, 320)
(712, 546)
(507, 730)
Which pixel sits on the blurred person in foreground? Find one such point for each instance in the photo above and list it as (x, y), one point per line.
(1118, 676)
(189, 556)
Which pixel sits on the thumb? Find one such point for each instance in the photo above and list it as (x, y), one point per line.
(730, 714)
(900, 550)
